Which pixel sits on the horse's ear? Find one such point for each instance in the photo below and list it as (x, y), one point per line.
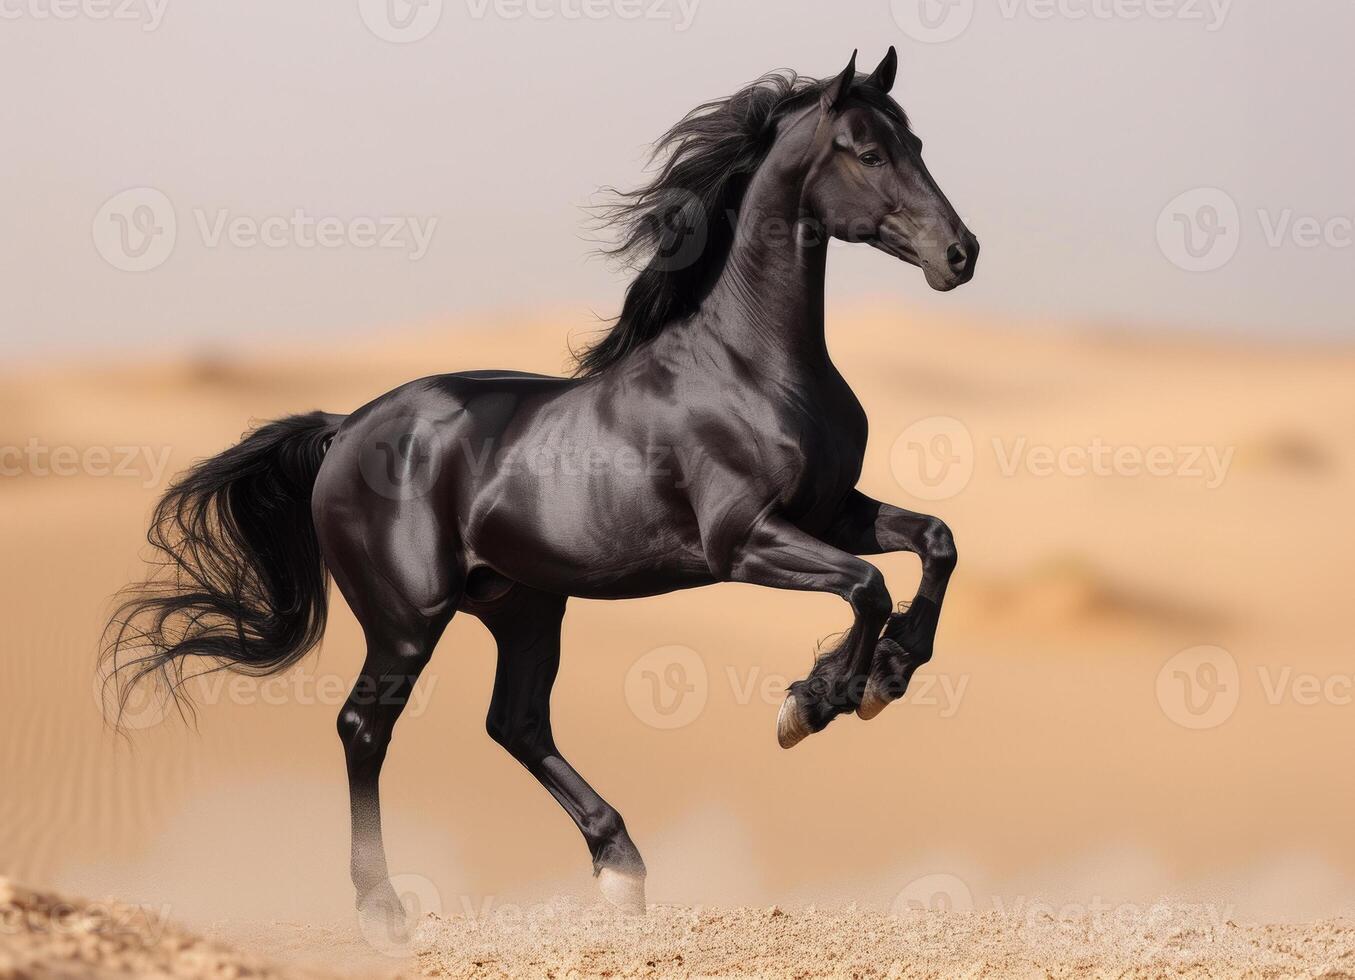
(837, 89)
(883, 75)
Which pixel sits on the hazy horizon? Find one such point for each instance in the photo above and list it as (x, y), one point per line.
(451, 181)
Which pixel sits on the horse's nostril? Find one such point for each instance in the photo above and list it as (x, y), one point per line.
(957, 257)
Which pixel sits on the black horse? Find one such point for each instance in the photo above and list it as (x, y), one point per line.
(706, 438)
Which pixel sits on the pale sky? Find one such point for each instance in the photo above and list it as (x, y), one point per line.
(1061, 130)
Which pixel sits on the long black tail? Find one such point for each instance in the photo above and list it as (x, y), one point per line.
(240, 580)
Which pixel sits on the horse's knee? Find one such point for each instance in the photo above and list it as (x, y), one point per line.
(870, 596)
(938, 544)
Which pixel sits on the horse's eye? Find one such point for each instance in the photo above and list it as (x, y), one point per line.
(872, 159)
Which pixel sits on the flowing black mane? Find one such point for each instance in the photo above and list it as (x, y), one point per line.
(677, 229)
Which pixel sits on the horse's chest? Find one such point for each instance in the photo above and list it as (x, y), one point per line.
(822, 458)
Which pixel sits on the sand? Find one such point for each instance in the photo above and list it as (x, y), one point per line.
(682, 941)
(46, 935)
(1052, 752)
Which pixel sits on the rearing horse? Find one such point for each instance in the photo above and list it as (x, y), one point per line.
(706, 438)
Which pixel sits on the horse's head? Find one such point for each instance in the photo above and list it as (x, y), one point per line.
(867, 182)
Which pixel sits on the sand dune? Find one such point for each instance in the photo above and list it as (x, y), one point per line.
(1042, 745)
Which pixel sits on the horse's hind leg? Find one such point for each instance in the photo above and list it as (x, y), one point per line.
(396, 655)
(526, 626)
(402, 620)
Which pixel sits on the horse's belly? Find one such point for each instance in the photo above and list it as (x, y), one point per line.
(588, 538)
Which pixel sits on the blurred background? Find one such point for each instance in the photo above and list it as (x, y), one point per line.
(1138, 420)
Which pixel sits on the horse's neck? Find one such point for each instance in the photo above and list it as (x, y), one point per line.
(768, 300)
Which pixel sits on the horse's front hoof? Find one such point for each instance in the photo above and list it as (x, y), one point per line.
(624, 891)
(872, 702)
(791, 727)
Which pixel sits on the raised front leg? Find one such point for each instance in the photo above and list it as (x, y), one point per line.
(869, 527)
(780, 555)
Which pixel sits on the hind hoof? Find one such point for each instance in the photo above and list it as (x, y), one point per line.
(624, 891)
(384, 922)
(791, 728)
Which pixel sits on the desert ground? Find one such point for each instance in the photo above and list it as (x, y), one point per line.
(1129, 757)
(55, 936)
